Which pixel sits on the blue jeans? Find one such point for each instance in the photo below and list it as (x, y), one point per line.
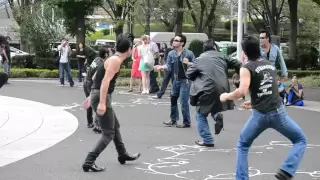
(203, 127)
(281, 122)
(64, 67)
(153, 79)
(6, 67)
(291, 96)
(180, 89)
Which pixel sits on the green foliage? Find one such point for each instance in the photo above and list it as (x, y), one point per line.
(105, 31)
(196, 46)
(99, 35)
(74, 10)
(37, 28)
(227, 24)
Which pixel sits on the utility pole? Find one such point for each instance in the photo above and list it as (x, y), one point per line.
(231, 22)
(239, 30)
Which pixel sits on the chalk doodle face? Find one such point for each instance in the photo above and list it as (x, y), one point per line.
(179, 162)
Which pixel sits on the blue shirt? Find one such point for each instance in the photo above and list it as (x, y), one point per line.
(282, 93)
(173, 59)
(274, 57)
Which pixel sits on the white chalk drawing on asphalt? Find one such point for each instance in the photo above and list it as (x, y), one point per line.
(181, 153)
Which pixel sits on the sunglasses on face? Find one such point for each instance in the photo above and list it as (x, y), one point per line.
(176, 40)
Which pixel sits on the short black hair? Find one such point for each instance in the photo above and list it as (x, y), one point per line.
(208, 45)
(123, 43)
(183, 39)
(103, 51)
(130, 36)
(251, 47)
(171, 41)
(268, 35)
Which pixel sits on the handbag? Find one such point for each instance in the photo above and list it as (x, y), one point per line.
(149, 59)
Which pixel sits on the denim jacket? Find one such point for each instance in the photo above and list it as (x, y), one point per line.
(173, 59)
(275, 56)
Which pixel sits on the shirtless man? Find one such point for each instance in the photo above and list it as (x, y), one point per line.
(104, 82)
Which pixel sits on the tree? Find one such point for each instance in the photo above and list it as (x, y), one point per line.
(118, 11)
(293, 9)
(39, 29)
(165, 12)
(179, 17)
(270, 11)
(20, 9)
(75, 12)
(204, 19)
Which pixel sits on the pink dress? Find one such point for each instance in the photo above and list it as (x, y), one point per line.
(135, 65)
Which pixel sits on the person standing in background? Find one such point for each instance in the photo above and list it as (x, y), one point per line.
(5, 54)
(64, 52)
(271, 52)
(143, 67)
(167, 74)
(135, 73)
(154, 87)
(81, 56)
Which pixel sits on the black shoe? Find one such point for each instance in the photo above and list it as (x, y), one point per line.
(93, 167)
(127, 157)
(183, 126)
(200, 143)
(170, 123)
(96, 130)
(218, 126)
(71, 83)
(152, 91)
(90, 125)
(282, 175)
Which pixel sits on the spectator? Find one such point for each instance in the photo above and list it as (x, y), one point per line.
(143, 67)
(64, 53)
(281, 88)
(81, 56)
(295, 93)
(135, 73)
(167, 74)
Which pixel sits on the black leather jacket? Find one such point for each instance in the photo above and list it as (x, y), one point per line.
(209, 76)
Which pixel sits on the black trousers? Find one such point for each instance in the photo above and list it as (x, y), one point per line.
(153, 79)
(166, 79)
(86, 89)
(110, 128)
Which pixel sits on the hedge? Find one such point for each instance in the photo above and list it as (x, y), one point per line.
(45, 73)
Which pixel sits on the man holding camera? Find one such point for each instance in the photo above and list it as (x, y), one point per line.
(64, 52)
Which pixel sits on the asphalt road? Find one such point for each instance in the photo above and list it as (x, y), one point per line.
(167, 153)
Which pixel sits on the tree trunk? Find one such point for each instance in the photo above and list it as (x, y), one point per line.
(148, 16)
(81, 29)
(118, 30)
(293, 8)
(179, 19)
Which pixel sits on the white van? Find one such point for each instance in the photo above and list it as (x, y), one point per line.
(165, 37)
(102, 42)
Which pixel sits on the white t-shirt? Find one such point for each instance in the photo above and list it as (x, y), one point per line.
(63, 52)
